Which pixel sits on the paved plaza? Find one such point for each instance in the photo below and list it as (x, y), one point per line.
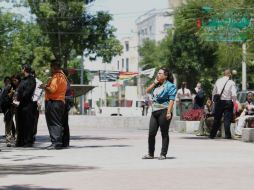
(110, 159)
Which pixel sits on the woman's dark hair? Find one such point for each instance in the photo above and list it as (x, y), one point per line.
(27, 68)
(7, 78)
(169, 75)
(18, 77)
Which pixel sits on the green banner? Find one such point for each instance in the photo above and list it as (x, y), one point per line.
(230, 27)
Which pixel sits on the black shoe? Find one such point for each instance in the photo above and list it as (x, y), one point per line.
(65, 146)
(28, 145)
(211, 137)
(8, 145)
(19, 144)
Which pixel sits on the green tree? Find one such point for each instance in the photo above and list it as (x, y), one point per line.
(183, 51)
(70, 27)
(22, 43)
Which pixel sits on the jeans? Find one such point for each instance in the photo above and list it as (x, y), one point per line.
(158, 119)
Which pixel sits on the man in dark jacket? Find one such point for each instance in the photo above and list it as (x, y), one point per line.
(25, 115)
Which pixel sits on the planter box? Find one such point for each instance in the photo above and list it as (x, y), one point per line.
(186, 126)
(248, 135)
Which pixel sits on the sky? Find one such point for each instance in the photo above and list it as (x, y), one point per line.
(125, 12)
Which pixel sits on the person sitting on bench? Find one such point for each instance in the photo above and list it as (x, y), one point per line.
(247, 113)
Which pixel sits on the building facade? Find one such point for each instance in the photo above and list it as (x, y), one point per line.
(175, 3)
(118, 91)
(154, 25)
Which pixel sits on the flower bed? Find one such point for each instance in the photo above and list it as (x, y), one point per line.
(193, 115)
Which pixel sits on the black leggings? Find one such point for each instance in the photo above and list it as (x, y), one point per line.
(158, 119)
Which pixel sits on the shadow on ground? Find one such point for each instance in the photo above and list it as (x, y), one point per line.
(167, 158)
(40, 169)
(25, 187)
(23, 157)
(45, 138)
(196, 137)
(100, 146)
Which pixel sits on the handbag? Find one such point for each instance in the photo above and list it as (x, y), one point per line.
(216, 97)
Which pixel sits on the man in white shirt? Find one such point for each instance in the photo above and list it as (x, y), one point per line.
(225, 105)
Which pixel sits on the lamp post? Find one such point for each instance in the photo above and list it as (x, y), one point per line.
(81, 82)
(244, 83)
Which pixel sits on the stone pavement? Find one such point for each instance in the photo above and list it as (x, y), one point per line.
(110, 159)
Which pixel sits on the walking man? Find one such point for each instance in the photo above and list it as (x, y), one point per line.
(225, 89)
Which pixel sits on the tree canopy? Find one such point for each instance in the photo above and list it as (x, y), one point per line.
(186, 51)
(70, 27)
(58, 29)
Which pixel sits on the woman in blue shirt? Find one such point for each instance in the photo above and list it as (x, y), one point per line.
(163, 95)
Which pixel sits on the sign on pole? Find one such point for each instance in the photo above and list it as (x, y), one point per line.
(230, 27)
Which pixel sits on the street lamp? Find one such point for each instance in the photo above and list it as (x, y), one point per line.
(81, 82)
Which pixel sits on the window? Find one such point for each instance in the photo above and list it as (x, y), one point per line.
(145, 31)
(127, 46)
(122, 64)
(167, 26)
(118, 65)
(127, 64)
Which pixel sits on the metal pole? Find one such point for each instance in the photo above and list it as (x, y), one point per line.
(81, 82)
(105, 84)
(244, 83)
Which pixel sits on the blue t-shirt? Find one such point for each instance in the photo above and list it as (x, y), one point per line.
(161, 95)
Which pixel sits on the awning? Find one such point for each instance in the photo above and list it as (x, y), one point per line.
(79, 89)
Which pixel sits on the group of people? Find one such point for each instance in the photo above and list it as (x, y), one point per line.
(225, 110)
(20, 98)
(198, 95)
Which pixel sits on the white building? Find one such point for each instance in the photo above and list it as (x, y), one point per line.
(154, 25)
(126, 62)
(175, 3)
